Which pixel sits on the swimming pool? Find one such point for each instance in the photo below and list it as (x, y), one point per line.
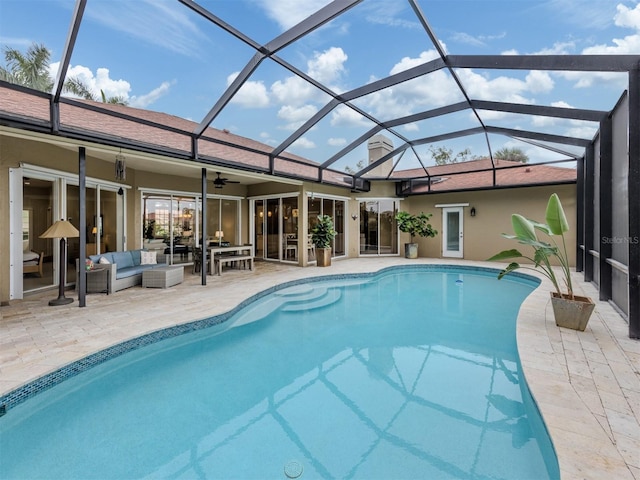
(409, 373)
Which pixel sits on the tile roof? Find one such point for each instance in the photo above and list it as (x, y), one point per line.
(173, 135)
(478, 174)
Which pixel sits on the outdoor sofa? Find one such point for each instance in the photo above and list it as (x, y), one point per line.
(124, 270)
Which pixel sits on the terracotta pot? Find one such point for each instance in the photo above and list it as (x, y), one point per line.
(323, 257)
(570, 313)
(410, 250)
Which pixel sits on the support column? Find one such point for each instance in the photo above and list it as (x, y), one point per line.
(589, 214)
(203, 243)
(634, 202)
(81, 280)
(605, 208)
(580, 254)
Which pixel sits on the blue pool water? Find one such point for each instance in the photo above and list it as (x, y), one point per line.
(410, 373)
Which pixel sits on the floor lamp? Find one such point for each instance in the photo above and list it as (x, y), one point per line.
(62, 229)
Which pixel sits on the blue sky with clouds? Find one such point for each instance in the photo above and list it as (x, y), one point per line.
(162, 56)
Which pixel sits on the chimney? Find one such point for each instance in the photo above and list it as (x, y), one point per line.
(379, 146)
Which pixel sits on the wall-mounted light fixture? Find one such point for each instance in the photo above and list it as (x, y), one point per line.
(354, 216)
(472, 212)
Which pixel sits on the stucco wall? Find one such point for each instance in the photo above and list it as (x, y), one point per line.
(482, 233)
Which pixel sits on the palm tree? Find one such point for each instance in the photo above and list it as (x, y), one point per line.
(32, 70)
(79, 88)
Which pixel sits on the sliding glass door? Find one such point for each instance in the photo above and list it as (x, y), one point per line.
(336, 209)
(275, 228)
(378, 227)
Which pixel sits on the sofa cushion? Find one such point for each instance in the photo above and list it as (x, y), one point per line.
(136, 256)
(123, 259)
(148, 258)
(128, 271)
(96, 258)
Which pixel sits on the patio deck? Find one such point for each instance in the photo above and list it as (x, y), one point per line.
(587, 384)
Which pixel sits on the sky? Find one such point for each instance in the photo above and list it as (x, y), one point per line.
(162, 56)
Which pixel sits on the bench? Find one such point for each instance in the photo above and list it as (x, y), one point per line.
(222, 259)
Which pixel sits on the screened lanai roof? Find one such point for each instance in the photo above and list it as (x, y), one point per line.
(279, 87)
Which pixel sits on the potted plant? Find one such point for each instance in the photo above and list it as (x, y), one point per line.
(414, 225)
(570, 310)
(322, 234)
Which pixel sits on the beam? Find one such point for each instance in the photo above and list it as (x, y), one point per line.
(545, 137)
(557, 112)
(226, 97)
(568, 63)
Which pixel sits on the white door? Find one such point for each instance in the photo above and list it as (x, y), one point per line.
(452, 234)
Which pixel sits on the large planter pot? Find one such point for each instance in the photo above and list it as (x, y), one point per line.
(570, 313)
(411, 250)
(323, 257)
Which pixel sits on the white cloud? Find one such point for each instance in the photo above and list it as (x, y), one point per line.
(465, 38)
(95, 83)
(296, 116)
(328, 66)
(407, 62)
(420, 93)
(163, 24)
(538, 82)
(292, 90)
(504, 89)
(627, 17)
(561, 104)
(288, 13)
(630, 44)
(343, 116)
(337, 142)
(143, 101)
(558, 48)
(252, 94)
(303, 142)
(583, 131)
(411, 127)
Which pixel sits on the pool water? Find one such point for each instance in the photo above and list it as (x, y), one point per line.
(410, 373)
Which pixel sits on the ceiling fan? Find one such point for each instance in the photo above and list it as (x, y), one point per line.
(221, 182)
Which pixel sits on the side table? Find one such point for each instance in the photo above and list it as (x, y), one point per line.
(98, 280)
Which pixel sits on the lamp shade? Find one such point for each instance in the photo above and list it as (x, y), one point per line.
(61, 229)
(219, 233)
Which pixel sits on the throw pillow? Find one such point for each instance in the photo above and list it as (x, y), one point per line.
(148, 258)
(104, 261)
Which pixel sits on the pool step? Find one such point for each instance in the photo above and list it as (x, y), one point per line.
(329, 297)
(294, 299)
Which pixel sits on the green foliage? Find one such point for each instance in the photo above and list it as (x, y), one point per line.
(514, 154)
(32, 70)
(443, 156)
(359, 166)
(416, 225)
(543, 252)
(323, 233)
